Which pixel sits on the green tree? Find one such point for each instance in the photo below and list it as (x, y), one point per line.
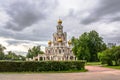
(21, 58)
(106, 57)
(2, 48)
(34, 52)
(75, 43)
(95, 45)
(12, 56)
(110, 55)
(115, 53)
(88, 45)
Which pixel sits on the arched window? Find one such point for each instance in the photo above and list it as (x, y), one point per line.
(63, 50)
(71, 57)
(48, 51)
(59, 51)
(41, 58)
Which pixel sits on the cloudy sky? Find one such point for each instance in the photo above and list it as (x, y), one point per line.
(26, 23)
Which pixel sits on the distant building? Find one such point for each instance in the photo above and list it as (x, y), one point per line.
(110, 45)
(59, 49)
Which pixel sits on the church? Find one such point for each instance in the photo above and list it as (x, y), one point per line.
(59, 49)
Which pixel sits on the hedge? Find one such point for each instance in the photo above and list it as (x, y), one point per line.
(28, 66)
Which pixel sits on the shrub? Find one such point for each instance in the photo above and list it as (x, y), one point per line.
(110, 55)
(7, 66)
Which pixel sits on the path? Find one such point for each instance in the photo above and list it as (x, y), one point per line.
(95, 73)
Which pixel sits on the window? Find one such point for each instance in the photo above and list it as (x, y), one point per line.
(59, 51)
(63, 50)
(71, 57)
(48, 51)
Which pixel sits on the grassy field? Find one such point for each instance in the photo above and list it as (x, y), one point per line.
(99, 63)
(72, 71)
(93, 63)
(113, 67)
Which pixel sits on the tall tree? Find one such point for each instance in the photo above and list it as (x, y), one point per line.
(2, 48)
(95, 44)
(75, 43)
(12, 56)
(34, 52)
(88, 45)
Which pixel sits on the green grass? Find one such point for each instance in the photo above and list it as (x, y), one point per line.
(113, 67)
(71, 71)
(93, 63)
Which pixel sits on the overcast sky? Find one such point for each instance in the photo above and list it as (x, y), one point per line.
(25, 23)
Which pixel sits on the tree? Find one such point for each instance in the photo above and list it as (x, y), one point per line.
(11, 56)
(75, 43)
(95, 45)
(2, 48)
(80, 48)
(110, 55)
(88, 45)
(106, 57)
(34, 52)
(22, 58)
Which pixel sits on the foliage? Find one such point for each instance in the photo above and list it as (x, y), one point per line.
(12, 56)
(88, 45)
(7, 66)
(2, 48)
(34, 52)
(110, 55)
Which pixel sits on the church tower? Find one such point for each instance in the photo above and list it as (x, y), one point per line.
(59, 49)
(59, 38)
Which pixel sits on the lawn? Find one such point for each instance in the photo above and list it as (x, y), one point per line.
(113, 67)
(71, 71)
(99, 63)
(93, 63)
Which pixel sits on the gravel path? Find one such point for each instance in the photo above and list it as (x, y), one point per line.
(94, 73)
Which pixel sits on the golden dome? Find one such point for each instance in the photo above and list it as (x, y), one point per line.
(59, 21)
(49, 42)
(59, 40)
(69, 42)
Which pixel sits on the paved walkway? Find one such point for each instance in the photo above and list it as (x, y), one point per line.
(95, 73)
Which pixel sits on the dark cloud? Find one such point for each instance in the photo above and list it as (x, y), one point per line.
(28, 19)
(25, 43)
(115, 19)
(105, 8)
(25, 13)
(16, 42)
(40, 33)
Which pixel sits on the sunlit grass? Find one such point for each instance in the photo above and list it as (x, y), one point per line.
(46, 72)
(93, 63)
(113, 67)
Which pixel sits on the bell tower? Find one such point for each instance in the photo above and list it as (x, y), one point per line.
(59, 26)
(59, 37)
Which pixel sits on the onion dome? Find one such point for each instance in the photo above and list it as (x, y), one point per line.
(69, 42)
(59, 21)
(59, 40)
(49, 42)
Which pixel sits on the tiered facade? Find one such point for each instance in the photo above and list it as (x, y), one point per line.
(59, 49)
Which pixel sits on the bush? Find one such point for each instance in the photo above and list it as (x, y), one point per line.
(7, 66)
(110, 55)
